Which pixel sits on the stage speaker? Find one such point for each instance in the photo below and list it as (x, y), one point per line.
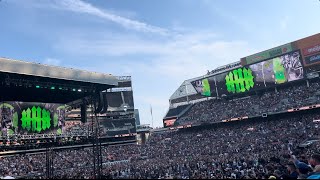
(83, 108)
(105, 103)
(99, 102)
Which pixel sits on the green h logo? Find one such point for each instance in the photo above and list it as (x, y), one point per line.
(239, 80)
(35, 119)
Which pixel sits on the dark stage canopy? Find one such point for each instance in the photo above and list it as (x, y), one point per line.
(32, 82)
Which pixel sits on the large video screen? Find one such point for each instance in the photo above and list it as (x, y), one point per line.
(205, 87)
(279, 70)
(235, 81)
(275, 71)
(169, 122)
(27, 118)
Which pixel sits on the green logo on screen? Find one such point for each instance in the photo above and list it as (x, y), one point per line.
(35, 119)
(239, 80)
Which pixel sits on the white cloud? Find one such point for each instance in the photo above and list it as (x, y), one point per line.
(202, 47)
(166, 64)
(79, 6)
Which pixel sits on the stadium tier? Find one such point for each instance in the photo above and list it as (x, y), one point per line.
(250, 149)
(280, 79)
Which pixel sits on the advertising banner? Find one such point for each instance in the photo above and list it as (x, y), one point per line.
(312, 59)
(225, 68)
(310, 47)
(311, 50)
(277, 51)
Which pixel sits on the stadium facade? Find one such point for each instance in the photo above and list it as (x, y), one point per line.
(279, 66)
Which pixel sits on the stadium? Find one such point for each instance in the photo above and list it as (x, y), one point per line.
(257, 118)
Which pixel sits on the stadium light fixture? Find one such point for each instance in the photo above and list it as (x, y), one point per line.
(37, 87)
(73, 89)
(53, 88)
(79, 90)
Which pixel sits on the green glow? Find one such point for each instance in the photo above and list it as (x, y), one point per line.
(60, 88)
(55, 120)
(279, 71)
(38, 87)
(53, 88)
(35, 119)
(239, 80)
(73, 89)
(6, 105)
(63, 107)
(59, 131)
(15, 120)
(10, 132)
(206, 87)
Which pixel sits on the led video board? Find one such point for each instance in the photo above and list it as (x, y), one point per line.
(277, 70)
(169, 122)
(31, 118)
(235, 81)
(205, 87)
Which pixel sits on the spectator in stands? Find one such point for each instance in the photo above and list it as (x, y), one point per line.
(216, 110)
(303, 170)
(315, 163)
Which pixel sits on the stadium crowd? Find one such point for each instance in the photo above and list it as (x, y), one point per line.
(273, 147)
(282, 99)
(258, 148)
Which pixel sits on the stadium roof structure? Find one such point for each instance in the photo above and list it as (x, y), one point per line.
(35, 82)
(42, 70)
(185, 89)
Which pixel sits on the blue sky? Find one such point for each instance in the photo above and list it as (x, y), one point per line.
(158, 43)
